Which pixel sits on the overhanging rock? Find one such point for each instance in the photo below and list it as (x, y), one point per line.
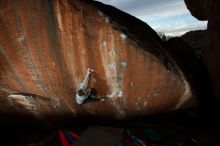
(46, 47)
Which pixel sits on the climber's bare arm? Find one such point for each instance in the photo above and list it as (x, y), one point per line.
(85, 82)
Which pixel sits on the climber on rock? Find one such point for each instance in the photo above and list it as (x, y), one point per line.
(85, 93)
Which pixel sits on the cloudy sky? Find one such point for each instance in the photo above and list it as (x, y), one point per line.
(170, 17)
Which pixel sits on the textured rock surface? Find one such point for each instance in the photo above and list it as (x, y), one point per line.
(46, 47)
(209, 10)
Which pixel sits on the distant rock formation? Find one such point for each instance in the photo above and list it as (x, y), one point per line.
(183, 54)
(209, 10)
(47, 46)
(195, 39)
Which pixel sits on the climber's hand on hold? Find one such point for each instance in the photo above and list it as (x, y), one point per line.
(89, 70)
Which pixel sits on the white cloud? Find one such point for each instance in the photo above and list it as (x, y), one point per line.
(181, 28)
(168, 16)
(148, 7)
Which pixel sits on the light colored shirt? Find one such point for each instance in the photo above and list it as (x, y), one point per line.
(80, 99)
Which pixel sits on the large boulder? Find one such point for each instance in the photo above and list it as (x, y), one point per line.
(209, 10)
(47, 46)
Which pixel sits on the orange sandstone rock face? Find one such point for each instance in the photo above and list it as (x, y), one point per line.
(45, 50)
